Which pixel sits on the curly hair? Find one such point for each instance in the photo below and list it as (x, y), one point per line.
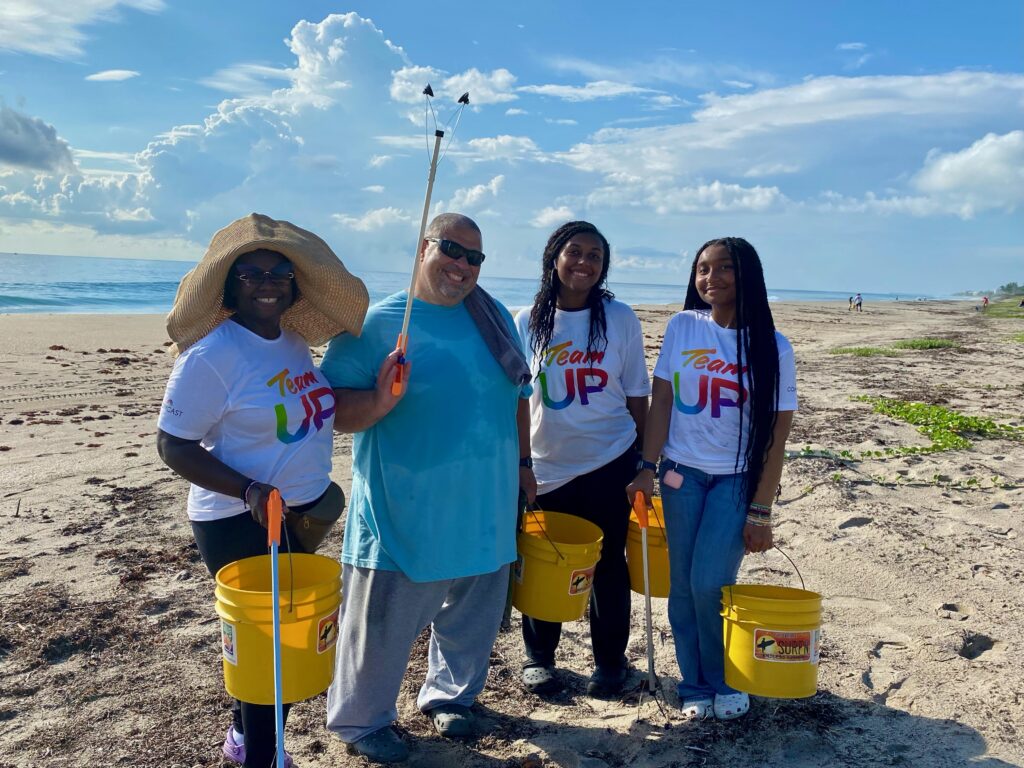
(542, 316)
(756, 348)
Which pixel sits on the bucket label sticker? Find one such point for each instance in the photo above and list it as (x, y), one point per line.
(327, 632)
(517, 569)
(228, 642)
(581, 580)
(776, 645)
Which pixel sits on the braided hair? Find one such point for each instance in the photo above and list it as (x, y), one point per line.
(542, 316)
(756, 348)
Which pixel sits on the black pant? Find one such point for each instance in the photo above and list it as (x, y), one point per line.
(600, 497)
(221, 542)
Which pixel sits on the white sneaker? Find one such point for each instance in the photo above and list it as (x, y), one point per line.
(696, 709)
(729, 706)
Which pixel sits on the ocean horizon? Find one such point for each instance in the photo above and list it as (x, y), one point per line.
(31, 283)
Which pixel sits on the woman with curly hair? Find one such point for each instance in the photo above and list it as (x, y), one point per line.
(586, 418)
(721, 410)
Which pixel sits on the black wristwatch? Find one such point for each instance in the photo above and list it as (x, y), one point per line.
(526, 462)
(642, 464)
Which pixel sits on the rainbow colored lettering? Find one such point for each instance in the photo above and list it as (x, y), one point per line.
(581, 380)
(317, 404)
(710, 387)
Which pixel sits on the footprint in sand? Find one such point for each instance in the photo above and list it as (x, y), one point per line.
(955, 611)
(883, 675)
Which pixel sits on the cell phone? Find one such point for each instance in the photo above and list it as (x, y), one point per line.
(673, 479)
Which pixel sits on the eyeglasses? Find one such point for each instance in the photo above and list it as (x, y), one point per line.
(282, 274)
(453, 250)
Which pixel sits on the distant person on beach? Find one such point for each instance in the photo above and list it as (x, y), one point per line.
(984, 303)
(722, 406)
(587, 414)
(858, 303)
(233, 422)
(850, 308)
(436, 475)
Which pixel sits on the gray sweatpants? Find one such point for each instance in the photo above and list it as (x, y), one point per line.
(382, 614)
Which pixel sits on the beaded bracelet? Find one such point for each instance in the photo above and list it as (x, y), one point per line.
(760, 522)
(763, 508)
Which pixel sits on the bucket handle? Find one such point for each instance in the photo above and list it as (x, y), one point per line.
(799, 575)
(533, 509)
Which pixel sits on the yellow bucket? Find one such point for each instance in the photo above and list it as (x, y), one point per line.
(657, 552)
(554, 570)
(309, 626)
(772, 640)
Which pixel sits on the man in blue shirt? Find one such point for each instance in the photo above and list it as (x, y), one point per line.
(436, 475)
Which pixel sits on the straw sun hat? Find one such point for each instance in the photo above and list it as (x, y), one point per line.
(331, 299)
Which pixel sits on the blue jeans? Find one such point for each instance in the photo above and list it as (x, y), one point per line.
(704, 522)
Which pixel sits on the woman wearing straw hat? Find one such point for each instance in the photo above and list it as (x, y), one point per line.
(587, 417)
(721, 410)
(246, 411)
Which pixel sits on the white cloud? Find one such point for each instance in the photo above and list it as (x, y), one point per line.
(549, 217)
(511, 111)
(470, 197)
(738, 84)
(112, 75)
(54, 27)
(988, 174)
(771, 169)
(503, 147)
(851, 46)
(663, 196)
(601, 89)
(378, 160)
(373, 220)
(560, 121)
(663, 68)
(374, 188)
(246, 79)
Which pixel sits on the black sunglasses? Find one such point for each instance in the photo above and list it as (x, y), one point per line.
(453, 250)
(282, 274)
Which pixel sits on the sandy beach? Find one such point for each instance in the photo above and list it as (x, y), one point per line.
(110, 651)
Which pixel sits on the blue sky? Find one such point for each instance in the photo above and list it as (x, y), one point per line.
(860, 146)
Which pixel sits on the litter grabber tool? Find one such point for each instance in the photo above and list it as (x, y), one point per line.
(274, 519)
(403, 337)
(640, 508)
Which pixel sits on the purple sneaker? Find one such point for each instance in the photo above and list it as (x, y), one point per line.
(235, 752)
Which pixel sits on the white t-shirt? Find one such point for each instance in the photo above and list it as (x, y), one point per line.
(578, 416)
(258, 405)
(698, 358)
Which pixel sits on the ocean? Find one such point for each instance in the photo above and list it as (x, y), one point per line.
(75, 284)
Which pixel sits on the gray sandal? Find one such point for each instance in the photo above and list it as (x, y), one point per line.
(540, 679)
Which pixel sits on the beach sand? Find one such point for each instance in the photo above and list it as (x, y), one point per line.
(109, 645)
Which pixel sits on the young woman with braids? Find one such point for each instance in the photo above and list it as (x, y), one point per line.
(723, 402)
(586, 420)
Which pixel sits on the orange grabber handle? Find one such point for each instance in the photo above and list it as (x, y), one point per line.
(274, 516)
(640, 508)
(397, 383)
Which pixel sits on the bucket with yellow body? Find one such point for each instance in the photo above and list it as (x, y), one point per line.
(772, 640)
(657, 552)
(554, 570)
(310, 588)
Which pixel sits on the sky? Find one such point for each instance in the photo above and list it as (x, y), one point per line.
(859, 146)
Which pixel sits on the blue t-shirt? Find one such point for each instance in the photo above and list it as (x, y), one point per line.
(436, 481)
